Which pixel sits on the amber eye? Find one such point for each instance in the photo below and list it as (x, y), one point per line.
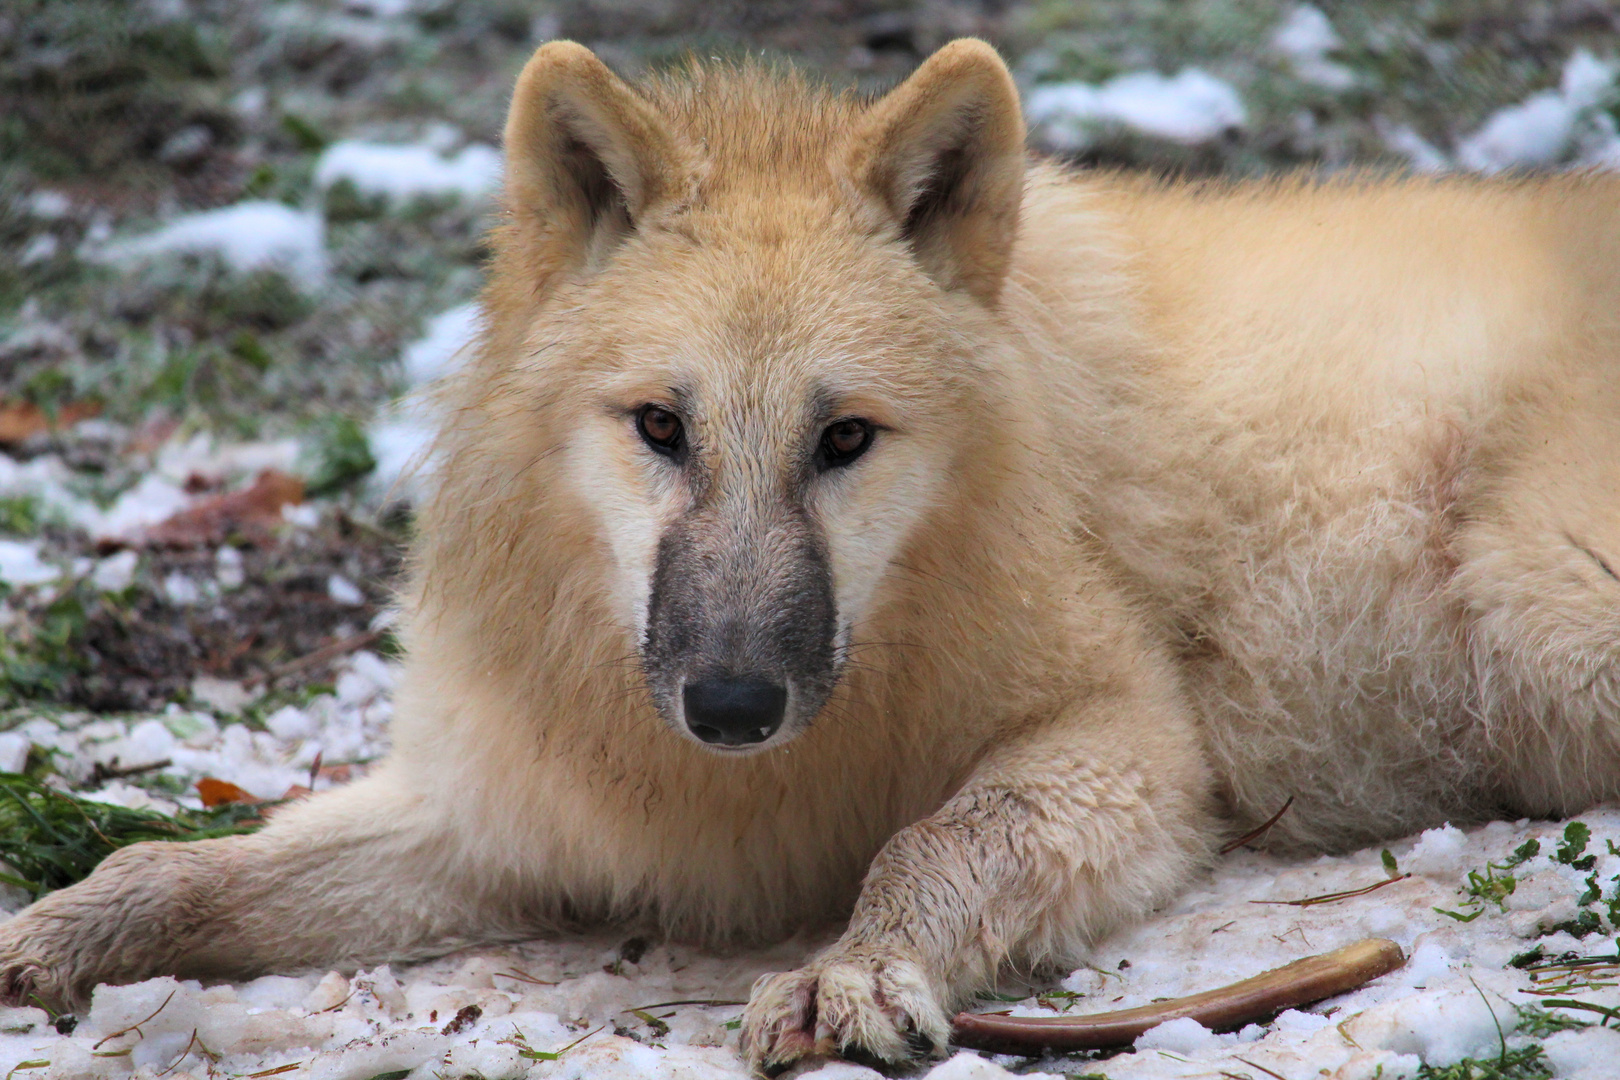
(843, 442)
(661, 429)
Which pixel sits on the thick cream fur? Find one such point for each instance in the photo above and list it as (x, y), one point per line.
(1187, 499)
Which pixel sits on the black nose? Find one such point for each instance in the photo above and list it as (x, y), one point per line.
(734, 712)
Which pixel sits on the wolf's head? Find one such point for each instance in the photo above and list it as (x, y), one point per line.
(749, 310)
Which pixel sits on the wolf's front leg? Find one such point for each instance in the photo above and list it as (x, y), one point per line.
(1057, 838)
(359, 875)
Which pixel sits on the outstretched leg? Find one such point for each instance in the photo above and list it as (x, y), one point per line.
(1057, 838)
(359, 875)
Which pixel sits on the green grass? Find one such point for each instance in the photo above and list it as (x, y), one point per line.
(51, 839)
(1524, 1063)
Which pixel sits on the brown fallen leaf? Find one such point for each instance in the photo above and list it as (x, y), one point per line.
(20, 420)
(214, 793)
(251, 513)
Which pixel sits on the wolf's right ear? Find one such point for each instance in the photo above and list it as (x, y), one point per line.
(587, 158)
(941, 159)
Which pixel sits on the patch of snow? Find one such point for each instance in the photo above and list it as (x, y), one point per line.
(1441, 853)
(123, 793)
(1192, 106)
(1541, 129)
(440, 349)
(20, 564)
(116, 572)
(254, 235)
(181, 591)
(48, 205)
(1306, 36)
(204, 455)
(301, 515)
(14, 751)
(401, 441)
(402, 171)
(1404, 140)
(1181, 1036)
(290, 723)
(228, 569)
(226, 696)
(42, 247)
(1584, 1055)
(154, 499)
(343, 591)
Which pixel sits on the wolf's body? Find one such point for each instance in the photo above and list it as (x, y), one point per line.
(1181, 501)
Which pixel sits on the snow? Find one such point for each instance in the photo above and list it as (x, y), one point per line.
(1183, 1036)
(1404, 140)
(40, 248)
(441, 348)
(116, 572)
(20, 564)
(343, 591)
(1305, 37)
(1541, 129)
(48, 205)
(401, 441)
(254, 235)
(401, 435)
(402, 171)
(1192, 106)
(157, 496)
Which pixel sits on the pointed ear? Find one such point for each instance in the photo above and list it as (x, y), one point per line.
(941, 159)
(588, 159)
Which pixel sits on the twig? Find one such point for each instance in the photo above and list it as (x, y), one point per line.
(102, 772)
(1225, 1009)
(136, 1027)
(523, 977)
(1328, 898)
(277, 1071)
(330, 651)
(1262, 1068)
(691, 1001)
(202, 1049)
(1257, 833)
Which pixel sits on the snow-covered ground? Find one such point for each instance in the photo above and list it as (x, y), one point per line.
(666, 1010)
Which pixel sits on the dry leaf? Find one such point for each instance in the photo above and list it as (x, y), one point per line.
(214, 793)
(253, 513)
(20, 420)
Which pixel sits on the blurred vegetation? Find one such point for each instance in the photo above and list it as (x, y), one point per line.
(121, 113)
(50, 839)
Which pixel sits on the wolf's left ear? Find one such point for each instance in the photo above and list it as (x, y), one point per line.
(941, 158)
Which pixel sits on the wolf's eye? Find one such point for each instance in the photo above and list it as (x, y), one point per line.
(661, 429)
(843, 442)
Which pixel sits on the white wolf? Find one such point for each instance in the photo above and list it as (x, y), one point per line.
(847, 516)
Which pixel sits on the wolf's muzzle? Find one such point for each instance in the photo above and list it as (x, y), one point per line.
(734, 712)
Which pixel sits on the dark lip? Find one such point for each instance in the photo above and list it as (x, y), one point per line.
(734, 751)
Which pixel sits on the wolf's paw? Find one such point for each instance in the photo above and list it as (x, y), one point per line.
(25, 979)
(860, 1002)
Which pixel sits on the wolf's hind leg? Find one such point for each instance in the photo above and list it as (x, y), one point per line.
(1539, 576)
(354, 876)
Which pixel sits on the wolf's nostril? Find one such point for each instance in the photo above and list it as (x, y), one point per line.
(734, 712)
